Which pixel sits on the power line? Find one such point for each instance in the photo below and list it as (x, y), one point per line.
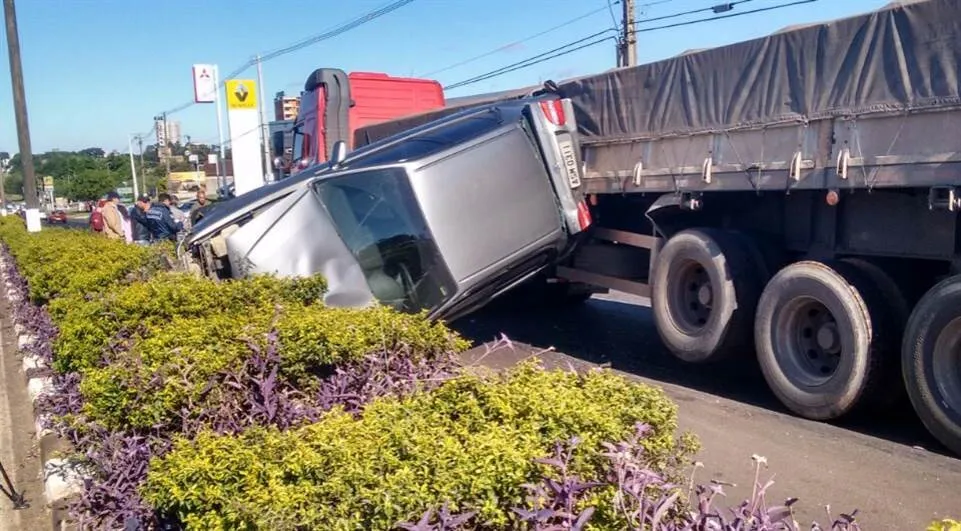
(360, 21)
(539, 58)
(610, 7)
(338, 30)
(531, 61)
(726, 6)
(719, 17)
(550, 54)
(521, 41)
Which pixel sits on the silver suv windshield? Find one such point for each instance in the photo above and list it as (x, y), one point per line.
(377, 217)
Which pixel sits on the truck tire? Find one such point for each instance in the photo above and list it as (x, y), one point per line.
(704, 290)
(896, 304)
(821, 334)
(889, 289)
(930, 361)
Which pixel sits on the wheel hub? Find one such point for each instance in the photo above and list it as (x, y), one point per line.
(692, 298)
(828, 338)
(704, 295)
(807, 337)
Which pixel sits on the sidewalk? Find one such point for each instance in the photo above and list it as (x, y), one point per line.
(19, 450)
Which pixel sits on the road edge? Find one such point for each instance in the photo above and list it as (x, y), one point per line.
(63, 480)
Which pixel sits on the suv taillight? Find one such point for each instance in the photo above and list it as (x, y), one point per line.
(583, 215)
(554, 111)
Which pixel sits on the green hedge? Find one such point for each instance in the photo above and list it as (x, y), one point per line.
(88, 326)
(170, 368)
(946, 524)
(63, 262)
(472, 442)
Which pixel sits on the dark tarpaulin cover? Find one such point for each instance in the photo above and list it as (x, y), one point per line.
(906, 55)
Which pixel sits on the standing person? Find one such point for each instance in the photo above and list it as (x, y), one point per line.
(175, 211)
(139, 224)
(112, 220)
(161, 221)
(195, 211)
(125, 221)
(96, 217)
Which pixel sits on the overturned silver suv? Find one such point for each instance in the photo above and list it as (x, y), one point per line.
(442, 217)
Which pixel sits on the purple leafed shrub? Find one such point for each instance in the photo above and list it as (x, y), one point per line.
(110, 498)
(250, 395)
(254, 395)
(642, 500)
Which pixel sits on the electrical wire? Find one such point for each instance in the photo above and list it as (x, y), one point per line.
(521, 41)
(719, 17)
(337, 30)
(550, 54)
(610, 7)
(693, 11)
(359, 21)
(531, 61)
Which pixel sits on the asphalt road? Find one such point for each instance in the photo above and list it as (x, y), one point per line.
(888, 468)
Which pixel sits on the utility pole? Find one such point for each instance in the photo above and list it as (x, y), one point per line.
(167, 149)
(143, 171)
(133, 168)
(20, 109)
(628, 44)
(264, 134)
(222, 160)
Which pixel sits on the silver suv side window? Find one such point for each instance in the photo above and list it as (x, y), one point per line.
(379, 220)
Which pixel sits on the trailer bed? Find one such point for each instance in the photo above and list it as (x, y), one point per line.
(867, 101)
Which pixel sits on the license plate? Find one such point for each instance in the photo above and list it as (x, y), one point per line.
(570, 163)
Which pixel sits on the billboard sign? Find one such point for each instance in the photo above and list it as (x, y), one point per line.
(244, 123)
(241, 94)
(205, 87)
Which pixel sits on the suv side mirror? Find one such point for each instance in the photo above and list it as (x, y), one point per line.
(338, 154)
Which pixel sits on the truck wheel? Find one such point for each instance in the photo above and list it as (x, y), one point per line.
(704, 290)
(931, 363)
(821, 333)
(889, 289)
(896, 304)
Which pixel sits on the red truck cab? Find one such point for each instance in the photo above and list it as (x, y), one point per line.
(334, 104)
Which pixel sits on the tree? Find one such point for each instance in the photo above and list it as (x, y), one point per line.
(93, 152)
(90, 184)
(150, 154)
(13, 183)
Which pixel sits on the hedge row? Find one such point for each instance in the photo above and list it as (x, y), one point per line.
(472, 442)
(373, 422)
(184, 362)
(61, 263)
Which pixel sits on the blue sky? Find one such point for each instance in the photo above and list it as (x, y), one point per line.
(98, 70)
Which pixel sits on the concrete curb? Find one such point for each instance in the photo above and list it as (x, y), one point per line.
(62, 479)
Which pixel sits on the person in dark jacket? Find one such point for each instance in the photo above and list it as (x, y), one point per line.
(139, 224)
(161, 221)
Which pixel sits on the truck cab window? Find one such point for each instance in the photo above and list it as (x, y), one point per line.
(298, 144)
(378, 218)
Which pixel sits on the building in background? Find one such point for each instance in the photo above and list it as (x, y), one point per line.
(286, 107)
(171, 135)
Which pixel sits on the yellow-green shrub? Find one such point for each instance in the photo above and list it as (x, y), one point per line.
(470, 442)
(170, 367)
(87, 326)
(62, 262)
(945, 525)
